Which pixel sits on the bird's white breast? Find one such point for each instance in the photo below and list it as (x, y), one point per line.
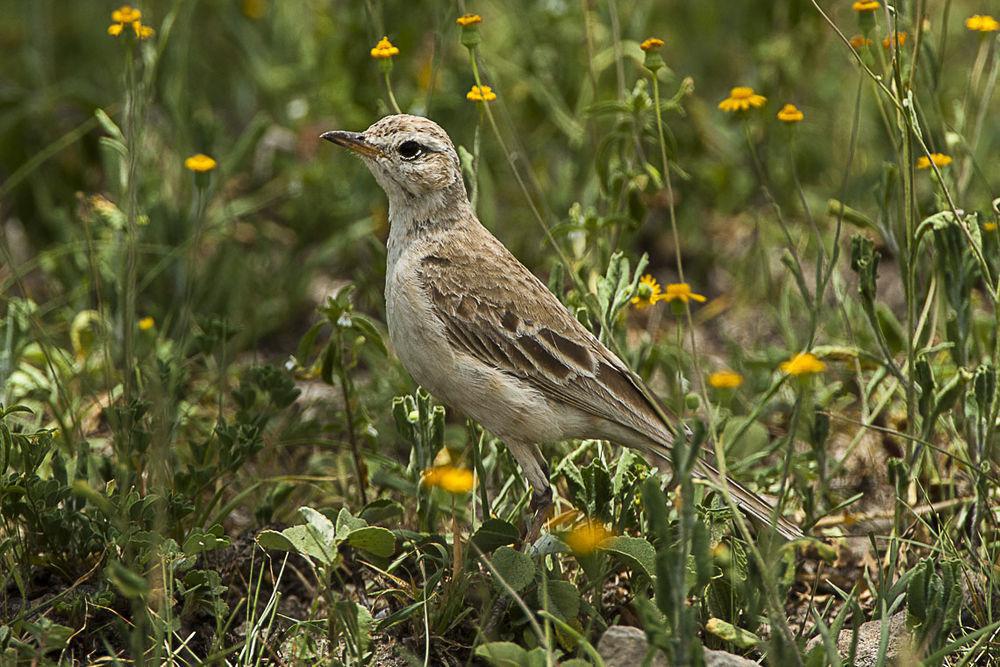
(505, 405)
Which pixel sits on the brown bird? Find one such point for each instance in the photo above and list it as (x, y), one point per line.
(480, 332)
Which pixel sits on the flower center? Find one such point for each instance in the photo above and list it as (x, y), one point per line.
(741, 93)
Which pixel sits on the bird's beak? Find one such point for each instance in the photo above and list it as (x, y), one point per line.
(354, 141)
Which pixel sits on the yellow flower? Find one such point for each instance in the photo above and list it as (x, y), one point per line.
(126, 14)
(586, 537)
(451, 479)
(990, 226)
(647, 293)
(790, 114)
(979, 23)
(725, 380)
(468, 19)
(115, 29)
(481, 94)
(939, 160)
(804, 363)
(146, 323)
(859, 41)
(651, 44)
(200, 163)
(680, 292)
(142, 31)
(900, 38)
(384, 49)
(742, 98)
(865, 6)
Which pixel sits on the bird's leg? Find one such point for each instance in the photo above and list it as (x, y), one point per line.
(541, 503)
(536, 471)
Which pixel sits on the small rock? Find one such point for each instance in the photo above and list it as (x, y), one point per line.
(625, 646)
(723, 659)
(869, 635)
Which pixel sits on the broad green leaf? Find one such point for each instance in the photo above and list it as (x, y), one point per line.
(494, 533)
(301, 540)
(346, 523)
(383, 509)
(502, 654)
(564, 599)
(373, 539)
(636, 552)
(514, 567)
(730, 633)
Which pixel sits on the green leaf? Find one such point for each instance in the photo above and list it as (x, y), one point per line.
(370, 331)
(109, 125)
(373, 539)
(636, 552)
(494, 533)
(564, 599)
(321, 525)
(730, 633)
(301, 540)
(509, 654)
(347, 523)
(381, 510)
(514, 567)
(205, 540)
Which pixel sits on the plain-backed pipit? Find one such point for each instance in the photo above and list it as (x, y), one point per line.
(484, 335)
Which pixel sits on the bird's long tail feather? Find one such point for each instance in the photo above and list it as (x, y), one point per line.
(751, 503)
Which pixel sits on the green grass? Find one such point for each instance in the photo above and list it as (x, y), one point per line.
(208, 453)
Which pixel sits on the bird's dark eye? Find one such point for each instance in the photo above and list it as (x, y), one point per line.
(410, 150)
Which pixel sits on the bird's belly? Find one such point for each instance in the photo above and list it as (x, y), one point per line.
(503, 404)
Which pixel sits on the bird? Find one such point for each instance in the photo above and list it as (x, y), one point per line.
(481, 333)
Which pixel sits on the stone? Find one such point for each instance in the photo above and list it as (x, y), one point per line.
(869, 635)
(625, 646)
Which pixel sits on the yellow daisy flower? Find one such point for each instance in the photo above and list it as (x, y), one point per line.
(680, 292)
(939, 160)
(146, 323)
(142, 31)
(979, 23)
(384, 49)
(859, 41)
(200, 163)
(790, 114)
(742, 98)
(804, 363)
(651, 44)
(990, 226)
(449, 478)
(586, 537)
(647, 293)
(468, 19)
(126, 14)
(865, 6)
(725, 380)
(481, 94)
(115, 29)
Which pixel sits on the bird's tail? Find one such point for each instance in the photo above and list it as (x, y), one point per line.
(753, 504)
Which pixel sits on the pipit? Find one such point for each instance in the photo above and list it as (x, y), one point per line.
(480, 332)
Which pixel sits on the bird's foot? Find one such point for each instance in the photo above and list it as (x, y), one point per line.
(541, 503)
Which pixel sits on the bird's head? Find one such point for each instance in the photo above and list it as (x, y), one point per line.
(411, 157)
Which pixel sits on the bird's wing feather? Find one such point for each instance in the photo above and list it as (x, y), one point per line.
(512, 322)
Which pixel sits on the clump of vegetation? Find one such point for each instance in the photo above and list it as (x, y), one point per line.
(783, 216)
